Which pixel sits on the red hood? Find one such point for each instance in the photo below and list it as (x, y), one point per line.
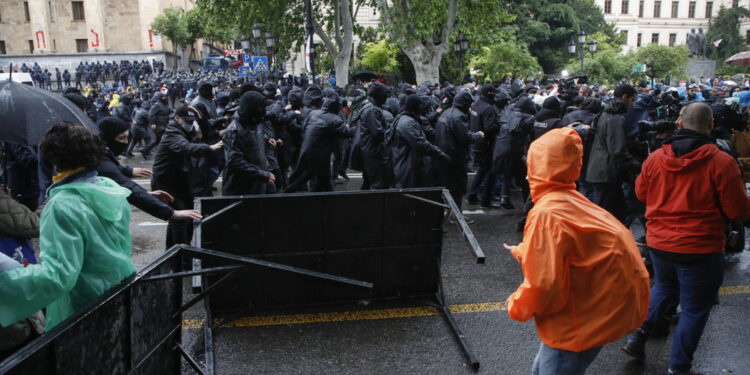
(688, 162)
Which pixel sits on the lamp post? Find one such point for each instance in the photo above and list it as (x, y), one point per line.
(460, 46)
(580, 44)
(270, 43)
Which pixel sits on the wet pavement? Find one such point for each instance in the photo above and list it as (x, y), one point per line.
(417, 340)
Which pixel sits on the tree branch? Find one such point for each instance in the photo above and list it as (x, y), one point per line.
(450, 23)
(332, 50)
(337, 23)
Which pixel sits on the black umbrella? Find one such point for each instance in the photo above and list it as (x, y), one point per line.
(26, 113)
(364, 76)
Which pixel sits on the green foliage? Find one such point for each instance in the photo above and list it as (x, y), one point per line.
(506, 58)
(547, 26)
(173, 25)
(726, 26)
(380, 57)
(607, 65)
(662, 61)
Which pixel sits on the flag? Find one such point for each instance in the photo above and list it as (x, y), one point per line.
(717, 42)
(308, 53)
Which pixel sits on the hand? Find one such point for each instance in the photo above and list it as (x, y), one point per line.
(162, 196)
(153, 127)
(481, 133)
(222, 131)
(271, 178)
(439, 110)
(272, 142)
(186, 215)
(288, 107)
(141, 172)
(279, 142)
(508, 247)
(216, 145)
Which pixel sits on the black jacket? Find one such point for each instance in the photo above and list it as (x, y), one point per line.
(372, 126)
(159, 114)
(452, 134)
(323, 128)
(123, 112)
(546, 120)
(246, 169)
(141, 118)
(410, 152)
(172, 164)
(483, 118)
(109, 167)
(610, 160)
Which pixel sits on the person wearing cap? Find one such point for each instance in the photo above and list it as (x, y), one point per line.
(246, 171)
(173, 168)
(114, 135)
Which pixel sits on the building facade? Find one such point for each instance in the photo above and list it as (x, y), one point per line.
(64, 26)
(665, 22)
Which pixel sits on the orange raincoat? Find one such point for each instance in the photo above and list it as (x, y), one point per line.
(584, 280)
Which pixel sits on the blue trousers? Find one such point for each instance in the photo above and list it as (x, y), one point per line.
(551, 361)
(696, 286)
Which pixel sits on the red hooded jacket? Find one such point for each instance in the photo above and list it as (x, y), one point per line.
(690, 198)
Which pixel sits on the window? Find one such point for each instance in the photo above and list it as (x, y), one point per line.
(638, 41)
(78, 14)
(54, 45)
(26, 11)
(51, 14)
(624, 36)
(657, 9)
(672, 39)
(2, 47)
(608, 7)
(675, 9)
(691, 9)
(625, 8)
(640, 9)
(82, 45)
(709, 9)
(31, 46)
(655, 38)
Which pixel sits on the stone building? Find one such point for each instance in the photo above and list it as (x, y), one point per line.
(42, 27)
(665, 22)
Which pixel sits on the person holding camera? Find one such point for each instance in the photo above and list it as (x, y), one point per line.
(691, 189)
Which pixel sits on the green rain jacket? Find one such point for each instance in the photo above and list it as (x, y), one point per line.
(85, 250)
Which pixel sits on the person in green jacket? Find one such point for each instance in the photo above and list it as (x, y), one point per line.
(84, 235)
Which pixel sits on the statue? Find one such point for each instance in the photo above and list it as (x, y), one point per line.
(696, 43)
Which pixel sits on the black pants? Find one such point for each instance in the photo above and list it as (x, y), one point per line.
(610, 197)
(375, 170)
(180, 231)
(485, 176)
(318, 182)
(138, 134)
(155, 139)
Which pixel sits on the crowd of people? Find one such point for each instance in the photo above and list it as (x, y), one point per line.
(570, 154)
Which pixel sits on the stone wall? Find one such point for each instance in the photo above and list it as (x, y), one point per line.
(71, 61)
(121, 25)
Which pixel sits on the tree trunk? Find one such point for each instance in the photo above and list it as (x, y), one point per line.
(341, 63)
(426, 61)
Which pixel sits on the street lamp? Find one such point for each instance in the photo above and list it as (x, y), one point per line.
(270, 42)
(256, 30)
(460, 47)
(245, 41)
(581, 46)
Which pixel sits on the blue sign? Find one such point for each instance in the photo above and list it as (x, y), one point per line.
(244, 71)
(260, 63)
(246, 58)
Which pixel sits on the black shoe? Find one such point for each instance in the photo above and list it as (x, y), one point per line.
(491, 205)
(507, 204)
(472, 199)
(468, 221)
(636, 345)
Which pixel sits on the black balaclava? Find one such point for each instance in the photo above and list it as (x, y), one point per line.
(205, 89)
(488, 92)
(502, 98)
(331, 101)
(378, 92)
(462, 101)
(413, 105)
(295, 98)
(109, 128)
(252, 107)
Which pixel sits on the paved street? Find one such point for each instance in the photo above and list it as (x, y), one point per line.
(416, 340)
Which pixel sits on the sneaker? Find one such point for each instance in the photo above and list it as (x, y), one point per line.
(636, 345)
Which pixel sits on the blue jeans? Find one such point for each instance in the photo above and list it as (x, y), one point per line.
(696, 286)
(551, 361)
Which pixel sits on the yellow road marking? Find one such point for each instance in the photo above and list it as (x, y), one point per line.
(406, 312)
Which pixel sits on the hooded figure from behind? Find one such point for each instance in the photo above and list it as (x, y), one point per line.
(510, 145)
(323, 127)
(585, 283)
(372, 126)
(246, 171)
(410, 150)
(452, 135)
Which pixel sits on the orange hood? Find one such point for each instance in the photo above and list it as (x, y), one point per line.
(554, 162)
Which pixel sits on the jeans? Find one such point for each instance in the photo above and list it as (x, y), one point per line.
(696, 285)
(551, 361)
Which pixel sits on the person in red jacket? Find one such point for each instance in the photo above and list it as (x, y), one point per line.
(691, 190)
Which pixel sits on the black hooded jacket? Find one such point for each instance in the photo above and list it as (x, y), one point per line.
(159, 112)
(452, 133)
(484, 118)
(410, 152)
(172, 164)
(547, 118)
(323, 127)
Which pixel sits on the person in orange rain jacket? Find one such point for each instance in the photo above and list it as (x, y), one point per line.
(585, 283)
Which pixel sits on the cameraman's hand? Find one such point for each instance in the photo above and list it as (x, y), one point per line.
(186, 215)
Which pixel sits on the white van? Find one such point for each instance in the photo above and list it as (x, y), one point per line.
(19, 77)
